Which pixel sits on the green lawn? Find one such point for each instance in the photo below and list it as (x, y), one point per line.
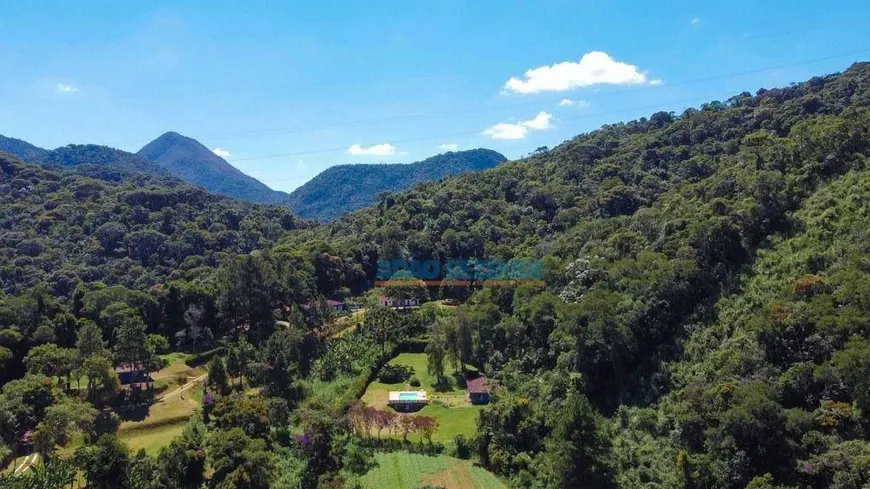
(449, 406)
(166, 417)
(152, 438)
(453, 394)
(407, 470)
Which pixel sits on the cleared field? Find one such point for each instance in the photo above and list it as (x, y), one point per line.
(449, 405)
(152, 438)
(165, 419)
(346, 324)
(409, 470)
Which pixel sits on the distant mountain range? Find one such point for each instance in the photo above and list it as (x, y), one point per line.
(76, 155)
(345, 188)
(22, 149)
(332, 193)
(191, 161)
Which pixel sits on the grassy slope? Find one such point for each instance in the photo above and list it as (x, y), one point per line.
(165, 418)
(401, 470)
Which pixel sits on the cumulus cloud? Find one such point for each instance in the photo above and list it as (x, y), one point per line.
(540, 122)
(65, 88)
(567, 102)
(594, 68)
(448, 147)
(520, 130)
(222, 152)
(696, 21)
(385, 149)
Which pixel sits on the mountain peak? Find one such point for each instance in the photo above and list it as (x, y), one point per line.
(193, 162)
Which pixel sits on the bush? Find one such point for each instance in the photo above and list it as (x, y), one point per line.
(394, 374)
(461, 449)
(415, 382)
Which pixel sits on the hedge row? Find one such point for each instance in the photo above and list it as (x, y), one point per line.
(204, 357)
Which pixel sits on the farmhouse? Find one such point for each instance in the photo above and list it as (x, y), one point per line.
(478, 389)
(397, 303)
(408, 400)
(133, 375)
(334, 304)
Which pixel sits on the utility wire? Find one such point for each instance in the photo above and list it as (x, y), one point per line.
(480, 110)
(477, 132)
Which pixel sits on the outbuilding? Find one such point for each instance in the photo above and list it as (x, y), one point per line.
(478, 389)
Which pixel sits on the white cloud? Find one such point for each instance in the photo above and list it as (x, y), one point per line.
(448, 147)
(385, 149)
(567, 102)
(65, 88)
(520, 130)
(540, 122)
(506, 131)
(655, 82)
(222, 153)
(696, 21)
(594, 68)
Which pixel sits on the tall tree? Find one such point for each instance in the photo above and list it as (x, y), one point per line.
(239, 461)
(577, 454)
(105, 463)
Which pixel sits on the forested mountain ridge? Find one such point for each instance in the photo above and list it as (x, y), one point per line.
(62, 229)
(81, 155)
(341, 189)
(21, 149)
(641, 227)
(189, 160)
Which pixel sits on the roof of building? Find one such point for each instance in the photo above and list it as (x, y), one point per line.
(477, 385)
(130, 367)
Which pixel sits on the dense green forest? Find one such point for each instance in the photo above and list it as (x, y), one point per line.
(21, 149)
(81, 157)
(704, 319)
(342, 189)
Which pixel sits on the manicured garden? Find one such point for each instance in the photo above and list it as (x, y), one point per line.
(449, 406)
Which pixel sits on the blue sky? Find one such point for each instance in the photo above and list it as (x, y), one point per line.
(286, 91)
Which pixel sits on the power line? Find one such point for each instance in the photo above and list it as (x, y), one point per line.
(345, 82)
(585, 116)
(477, 132)
(480, 110)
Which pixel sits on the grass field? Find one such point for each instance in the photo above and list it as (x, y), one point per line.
(408, 470)
(449, 405)
(346, 324)
(165, 419)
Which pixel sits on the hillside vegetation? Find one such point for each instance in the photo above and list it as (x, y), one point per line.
(703, 321)
(342, 189)
(642, 227)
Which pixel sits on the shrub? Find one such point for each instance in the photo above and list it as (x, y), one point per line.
(204, 357)
(415, 382)
(393, 374)
(461, 449)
